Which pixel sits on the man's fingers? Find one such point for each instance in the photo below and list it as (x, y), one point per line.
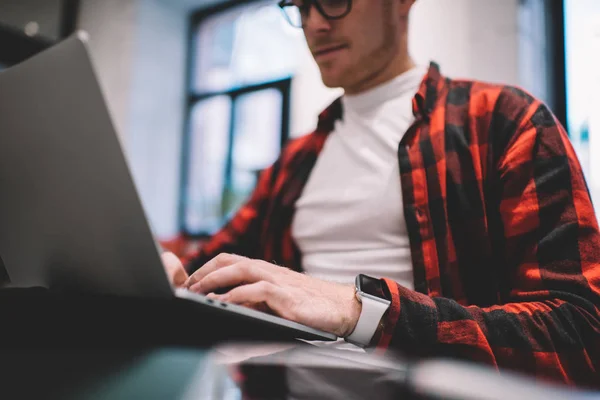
(240, 273)
(174, 268)
(255, 295)
(217, 262)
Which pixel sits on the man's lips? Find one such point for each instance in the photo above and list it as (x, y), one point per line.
(328, 50)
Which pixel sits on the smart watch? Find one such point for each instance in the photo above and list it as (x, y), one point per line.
(369, 292)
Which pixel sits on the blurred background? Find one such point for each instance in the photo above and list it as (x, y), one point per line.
(204, 93)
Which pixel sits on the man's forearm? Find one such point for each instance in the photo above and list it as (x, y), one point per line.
(550, 338)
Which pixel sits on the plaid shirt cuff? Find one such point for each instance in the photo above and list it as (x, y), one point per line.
(411, 321)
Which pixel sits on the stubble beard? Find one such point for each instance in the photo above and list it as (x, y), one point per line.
(371, 65)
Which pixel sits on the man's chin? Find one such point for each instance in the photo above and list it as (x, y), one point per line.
(331, 81)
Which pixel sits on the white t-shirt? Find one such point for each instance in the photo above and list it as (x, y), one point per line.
(349, 218)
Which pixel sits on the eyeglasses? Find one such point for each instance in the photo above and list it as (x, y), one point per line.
(297, 11)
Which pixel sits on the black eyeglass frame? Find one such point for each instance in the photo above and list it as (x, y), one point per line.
(307, 4)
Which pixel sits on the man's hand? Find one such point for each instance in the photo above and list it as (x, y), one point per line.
(327, 306)
(175, 271)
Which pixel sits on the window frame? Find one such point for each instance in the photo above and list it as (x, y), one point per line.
(193, 97)
(557, 59)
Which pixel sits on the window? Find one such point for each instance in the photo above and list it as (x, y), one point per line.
(582, 45)
(242, 59)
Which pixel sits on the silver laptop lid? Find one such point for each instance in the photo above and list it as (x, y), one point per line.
(70, 215)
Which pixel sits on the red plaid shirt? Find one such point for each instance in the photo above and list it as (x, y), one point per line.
(504, 240)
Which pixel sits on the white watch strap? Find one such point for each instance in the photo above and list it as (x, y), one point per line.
(370, 316)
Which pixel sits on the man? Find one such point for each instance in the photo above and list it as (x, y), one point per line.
(467, 198)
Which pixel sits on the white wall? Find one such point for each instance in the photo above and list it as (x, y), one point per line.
(157, 109)
(139, 50)
(111, 26)
(469, 38)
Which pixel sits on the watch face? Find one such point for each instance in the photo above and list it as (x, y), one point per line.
(371, 286)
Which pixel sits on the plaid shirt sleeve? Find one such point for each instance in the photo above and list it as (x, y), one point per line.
(550, 324)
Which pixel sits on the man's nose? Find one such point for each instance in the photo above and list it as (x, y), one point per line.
(315, 22)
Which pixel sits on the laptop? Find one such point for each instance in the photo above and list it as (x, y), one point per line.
(70, 214)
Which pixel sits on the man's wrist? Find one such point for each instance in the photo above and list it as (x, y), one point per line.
(374, 305)
(355, 308)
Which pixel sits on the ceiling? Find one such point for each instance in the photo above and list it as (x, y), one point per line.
(195, 4)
